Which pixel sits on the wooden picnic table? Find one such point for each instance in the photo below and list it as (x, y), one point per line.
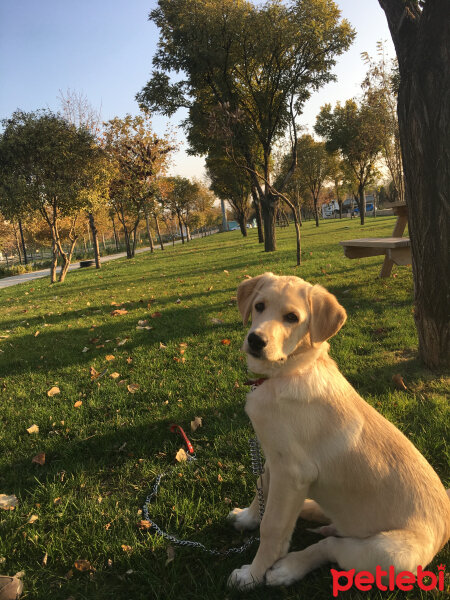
(396, 249)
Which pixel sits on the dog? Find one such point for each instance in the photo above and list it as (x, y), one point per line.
(330, 456)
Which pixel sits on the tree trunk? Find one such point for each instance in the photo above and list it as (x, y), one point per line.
(180, 224)
(158, 231)
(115, 234)
(362, 203)
(54, 262)
(269, 208)
(24, 250)
(422, 42)
(67, 258)
(297, 234)
(94, 240)
(242, 224)
(257, 207)
(316, 211)
(149, 233)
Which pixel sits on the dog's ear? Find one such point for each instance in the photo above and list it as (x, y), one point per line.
(327, 315)
(246, 292)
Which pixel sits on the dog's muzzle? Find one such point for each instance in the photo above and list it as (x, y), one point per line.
(256, 345)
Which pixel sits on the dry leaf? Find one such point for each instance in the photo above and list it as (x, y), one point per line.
(133, 388)
(93, 372)
(247, 276)
(170, 554)
(178, 301)
(129, 360)
(225, 342)
(33, 429)
(398, 381)
(126, 548)
(225, 271)
(181, 455)
(110, 357)
(143, 322)
(119, 312)
(57, 500)
(216, 321)
(144, 524)
(39, 459)
(37, 333)
(115, 375)
(85, 349)
(156, 315)
(182, 345)
(162, 346)
(83, 565)
(122, 342)
(196, 423)
(78, 403)
(45, 559)
(8, 502)
(219, 478)
(107, 526)
(32, 519)
(53, 391)
(94, 340)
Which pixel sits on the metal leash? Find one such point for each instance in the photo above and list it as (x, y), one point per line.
(257, 468)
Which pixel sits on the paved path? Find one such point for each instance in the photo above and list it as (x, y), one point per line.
(25, 277)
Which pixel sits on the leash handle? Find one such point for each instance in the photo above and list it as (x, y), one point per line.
(173, 429)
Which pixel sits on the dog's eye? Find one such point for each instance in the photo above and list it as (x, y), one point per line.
(291, 318)
(259, 306)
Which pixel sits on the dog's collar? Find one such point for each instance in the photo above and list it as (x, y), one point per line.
(255, 379)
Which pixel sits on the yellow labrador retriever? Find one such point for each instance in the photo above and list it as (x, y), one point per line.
(329, 455)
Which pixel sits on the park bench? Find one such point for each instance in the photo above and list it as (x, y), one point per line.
(396, 249)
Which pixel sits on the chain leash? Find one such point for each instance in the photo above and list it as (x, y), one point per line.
(257, 469)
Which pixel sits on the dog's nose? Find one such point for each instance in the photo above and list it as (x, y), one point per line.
(256, 342)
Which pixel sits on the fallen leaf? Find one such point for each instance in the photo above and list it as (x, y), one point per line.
(178, 301)
(156, 315)
(119, 312)
(143, 524)
(140, 328)
(83, 565)
(32, 519)
(37, 333)
(398, 381)
(110, 357)
(122, 342)
(216, 321)
(129, 360)
(85, 349)
(162, 346)
(225, 342)
(133, 388)
(93, 372)
(53, 391)
(33, 429)
(107, 526)
(181, 455)
(39, 459)
(196, 423)
(170, 554)
(126, 548)
(143, 322)
(219, 478)
(45, 559)
(94, 340)
(225, 271)
(8, 502)
(247, 276)
(57, 500)
(182, 345)
(78, 403)
(115, 375)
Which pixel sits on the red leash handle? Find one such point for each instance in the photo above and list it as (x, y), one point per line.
(190, 447)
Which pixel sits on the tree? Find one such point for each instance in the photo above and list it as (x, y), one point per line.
(246, 73)
(137, 156)
(354, 131)
(180, 200)
(229, 182)
(49, 166)
(380, 88)
(337, 176)
(313, 164)
(421, 35)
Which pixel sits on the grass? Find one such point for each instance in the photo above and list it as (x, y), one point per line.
(102, 457)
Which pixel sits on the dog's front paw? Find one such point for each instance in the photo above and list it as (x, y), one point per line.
(284, 572)
(242, 519)
(243, 578)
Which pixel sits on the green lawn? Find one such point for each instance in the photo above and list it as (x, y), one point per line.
(102, 456)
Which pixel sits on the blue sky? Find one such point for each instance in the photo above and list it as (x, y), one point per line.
(104, 49)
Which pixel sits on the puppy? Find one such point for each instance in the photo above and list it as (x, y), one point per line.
(329, 455)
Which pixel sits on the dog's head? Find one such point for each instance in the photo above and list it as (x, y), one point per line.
(289, 317)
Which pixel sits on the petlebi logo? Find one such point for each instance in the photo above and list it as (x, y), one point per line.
(387, 580)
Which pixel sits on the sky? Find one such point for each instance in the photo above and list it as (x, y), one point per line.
(104, 50)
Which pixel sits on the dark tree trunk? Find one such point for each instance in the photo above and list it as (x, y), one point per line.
(180, 224)
(149, 233)
(422, 42)
(54, 262)
(257, 207)
(316, 212)
(22, 239)
(158, 231)
(362, 204)
(242, 224)
(94, 240)
(297, 224)
(115, 234)
(269, 208)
